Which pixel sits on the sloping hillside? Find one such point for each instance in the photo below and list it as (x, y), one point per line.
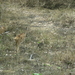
(49, 45)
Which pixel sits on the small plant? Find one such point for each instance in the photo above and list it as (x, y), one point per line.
(19, 39)
(2, 29)
(36, 74)
(40, 44)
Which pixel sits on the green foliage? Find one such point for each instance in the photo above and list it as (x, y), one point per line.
(36, 74)
(38, 42)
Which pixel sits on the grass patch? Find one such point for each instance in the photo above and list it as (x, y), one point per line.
(49, 39)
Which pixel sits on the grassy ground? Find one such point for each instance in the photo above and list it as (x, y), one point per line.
(49, 43)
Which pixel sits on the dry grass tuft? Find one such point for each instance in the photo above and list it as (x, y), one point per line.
(19, 39)
(2, 29)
